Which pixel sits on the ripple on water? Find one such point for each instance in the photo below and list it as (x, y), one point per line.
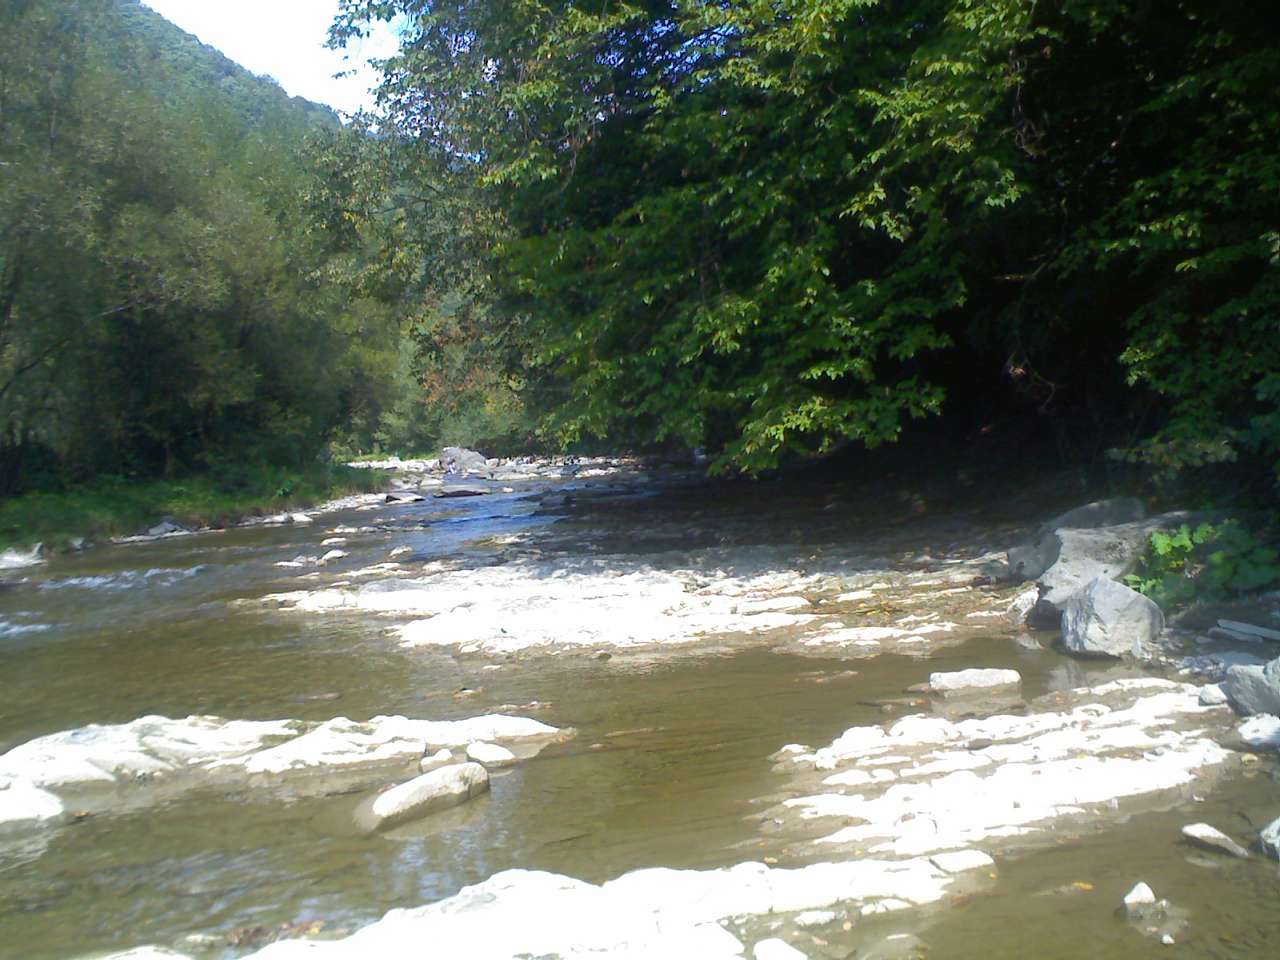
(125, 579)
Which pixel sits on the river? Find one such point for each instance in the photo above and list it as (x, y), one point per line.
(670, 762)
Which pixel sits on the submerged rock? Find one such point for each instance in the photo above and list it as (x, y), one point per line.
(1211, 838)
(426, 794)
(1109, 619)
(491, 755)
(961, 683)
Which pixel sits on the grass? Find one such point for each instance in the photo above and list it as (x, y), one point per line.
(119, 507)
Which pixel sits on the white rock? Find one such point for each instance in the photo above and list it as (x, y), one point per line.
(398, 552)
(963, 682)
(775, 949)
(24, 806)
(1212, 695)
(333, 555)
(1023, 604)
(1213, 839)
(428, 793)
(300, 519)
(1261, 731)
(1140, 896)
(815, 918)
(490, 754)
(440, 758)
(1034, 769)
(140, 953)
(333, 541)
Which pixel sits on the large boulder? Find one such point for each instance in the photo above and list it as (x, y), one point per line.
(1029, 560)
(1107, 619)
(1254, 689)
(437, 790)
(461, 462)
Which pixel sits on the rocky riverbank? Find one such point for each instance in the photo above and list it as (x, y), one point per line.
(889, 820)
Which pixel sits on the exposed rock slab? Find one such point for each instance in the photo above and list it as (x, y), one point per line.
(926, 784)
(130, 764)
(1108, 619)
(680, 914)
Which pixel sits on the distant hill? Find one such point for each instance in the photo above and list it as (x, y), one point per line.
(163, 56)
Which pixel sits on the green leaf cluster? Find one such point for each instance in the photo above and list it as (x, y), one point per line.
(1213, 561)
(772, 227)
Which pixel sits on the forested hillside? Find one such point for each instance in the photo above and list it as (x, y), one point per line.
(772, 227)
(167, 303)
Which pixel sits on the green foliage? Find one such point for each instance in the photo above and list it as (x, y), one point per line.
(165, 302)
(765, 227)
(1210, 561)
(115, 506)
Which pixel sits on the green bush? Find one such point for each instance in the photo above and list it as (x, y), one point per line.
(1209, 561)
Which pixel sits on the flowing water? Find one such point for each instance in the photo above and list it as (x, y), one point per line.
(669, 765)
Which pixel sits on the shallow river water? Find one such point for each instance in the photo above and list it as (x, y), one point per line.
(669, 765)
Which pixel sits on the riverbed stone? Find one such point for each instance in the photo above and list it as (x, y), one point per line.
(1269, 839)
(440, 758)
(490, 755)
(1254, 689)
(654, 912)
(962, 683)
(1109, 619)
(1212, 695)
(1141, 895)
(1030, 560)
(1211, 838)
(426, 794)
(461, 462)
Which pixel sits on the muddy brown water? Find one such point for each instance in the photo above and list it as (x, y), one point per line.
(670, 765)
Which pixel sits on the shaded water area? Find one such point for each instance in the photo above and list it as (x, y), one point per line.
(669, 765)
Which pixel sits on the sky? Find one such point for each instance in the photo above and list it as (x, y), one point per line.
(284, 39)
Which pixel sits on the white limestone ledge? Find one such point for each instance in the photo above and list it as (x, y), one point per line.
(101, 767)
(659, 912)
(925, 784)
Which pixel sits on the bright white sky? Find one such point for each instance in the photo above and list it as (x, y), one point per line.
(284, 39)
